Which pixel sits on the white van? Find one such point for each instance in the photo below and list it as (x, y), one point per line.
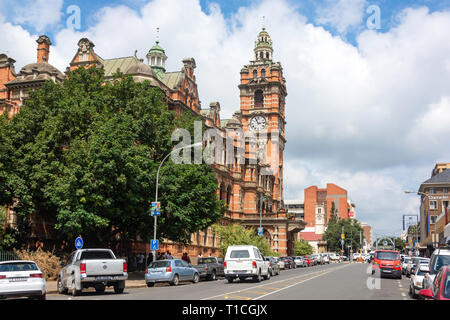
(245, 261)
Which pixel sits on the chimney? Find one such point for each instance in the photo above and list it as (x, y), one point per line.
(43, 49)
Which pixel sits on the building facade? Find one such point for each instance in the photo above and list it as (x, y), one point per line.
(249, 173)
(434, 209)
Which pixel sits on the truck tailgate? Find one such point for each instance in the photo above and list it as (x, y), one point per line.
(104, 267)
(239, 264)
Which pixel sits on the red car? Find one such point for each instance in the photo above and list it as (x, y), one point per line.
(388, 263)
(309, 261)
(440, 290)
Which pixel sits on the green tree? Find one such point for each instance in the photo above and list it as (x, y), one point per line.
(303, 248)
(352, 231)
(85, 153)
(236, 234)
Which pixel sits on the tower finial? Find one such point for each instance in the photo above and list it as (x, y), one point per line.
(157, 35)
(264, 22)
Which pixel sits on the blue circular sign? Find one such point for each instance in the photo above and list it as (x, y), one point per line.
(79, 243)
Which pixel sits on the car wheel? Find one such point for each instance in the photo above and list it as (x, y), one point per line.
(150, 284)
(213, 276)
(74, 290)
(117, 289)
(269, 272)
(61, 289)
(196, 278)
(230, 280)
(42, 297)
(258, 277)
(175, 280)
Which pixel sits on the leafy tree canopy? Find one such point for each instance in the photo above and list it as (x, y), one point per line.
(85, 153)
(303, 248)
(352, 231)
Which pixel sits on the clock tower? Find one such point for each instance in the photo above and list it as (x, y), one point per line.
(262, 104)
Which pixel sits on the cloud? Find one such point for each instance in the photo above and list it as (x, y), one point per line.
(342, 15)
(38, 14)
(371, 117)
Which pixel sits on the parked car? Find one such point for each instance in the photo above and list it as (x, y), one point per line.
(325, 258)
(245, 261)
(334, 257)
(210, 268)
(415, 283)
(96, 268)
(405, 263)
(21, 278)
(273, 266)
(317, 259)
(416, 261)
(388, 263)
(439, 258)
(281, 263)
(356, 256)
(309, 261)
(172, 271)
(300, 261)
(440, 289)
(288, 262)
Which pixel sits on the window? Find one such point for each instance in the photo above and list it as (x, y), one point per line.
(261, 55)
(255, 74)
(178, 263)
(433, 205)
(235, 254)
(444, 190)
(18, 266)
(432, 219)
(184, 264)
(267, 55)
(432, 191)
(93, 255)
(263, 73)
(159, 264)
(259, 99)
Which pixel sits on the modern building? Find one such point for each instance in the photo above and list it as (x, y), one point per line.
(368, 237)
(249, 175)
(434, 209)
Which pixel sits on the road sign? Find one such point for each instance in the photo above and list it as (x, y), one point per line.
(342, 251)
(260, 231)
(79, 243)
(154, 245)
(342, 242)
(156, 209)
(342, 235)
(384, 243)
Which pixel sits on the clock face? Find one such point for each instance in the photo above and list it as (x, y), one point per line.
(258, 123)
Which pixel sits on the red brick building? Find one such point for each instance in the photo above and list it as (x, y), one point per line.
(250, 178)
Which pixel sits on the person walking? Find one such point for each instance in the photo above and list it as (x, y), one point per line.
(168, 255)
(186, 258)
(141, 259)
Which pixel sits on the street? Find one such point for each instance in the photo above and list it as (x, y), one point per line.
(345, 281)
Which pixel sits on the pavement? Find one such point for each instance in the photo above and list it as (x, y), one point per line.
(135, 280)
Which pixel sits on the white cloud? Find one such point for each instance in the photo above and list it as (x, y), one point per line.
(39, 14)
(362, 117)
(341, 14)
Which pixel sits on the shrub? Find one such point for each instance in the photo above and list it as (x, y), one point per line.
(46, 261)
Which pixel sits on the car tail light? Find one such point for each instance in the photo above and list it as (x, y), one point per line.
(146, 270)
(169, 269)
(225, 264)
(125, 267)
(2, 277)
(254, 264)
(83, 268)
(206, 269)
(36, 275)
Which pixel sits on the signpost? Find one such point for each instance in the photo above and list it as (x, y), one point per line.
(79, 243)
(260, 231)
(154, 245)
(155, 209)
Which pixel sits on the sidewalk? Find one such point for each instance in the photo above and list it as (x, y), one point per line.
(135, 280)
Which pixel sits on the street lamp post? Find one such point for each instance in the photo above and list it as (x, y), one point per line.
(157, 181)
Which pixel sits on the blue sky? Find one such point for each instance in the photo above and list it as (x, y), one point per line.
(366, 109)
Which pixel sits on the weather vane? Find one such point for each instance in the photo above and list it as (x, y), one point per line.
(263, 22)
(157, 35)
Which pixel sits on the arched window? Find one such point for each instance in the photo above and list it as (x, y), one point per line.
(255, 74)
(267, 55)
(259, 99)
(261, 55)
(229, 195)
(263, 73)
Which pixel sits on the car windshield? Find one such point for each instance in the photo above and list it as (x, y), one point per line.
(159, 264)
(446, 291)
(206, 260)
(438, 262)
(235, 254)
(421, 273)
(387, 255)
(18, 266)
(93, 255)
(407, 260)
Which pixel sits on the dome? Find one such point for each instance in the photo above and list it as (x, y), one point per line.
(141, 68)
(41, 67)
(156, 49)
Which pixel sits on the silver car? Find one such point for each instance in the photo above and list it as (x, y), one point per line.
(171, 271)
(21, 278)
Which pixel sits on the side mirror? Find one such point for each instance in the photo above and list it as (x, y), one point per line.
(426, 293)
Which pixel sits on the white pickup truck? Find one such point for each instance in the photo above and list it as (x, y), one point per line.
(96, 268)
(245, 261)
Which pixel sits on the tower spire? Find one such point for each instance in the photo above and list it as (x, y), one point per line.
(157, 35)
(263, 45)
(157, 57)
